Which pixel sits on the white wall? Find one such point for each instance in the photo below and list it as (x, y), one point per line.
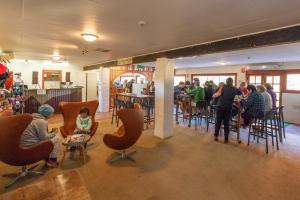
(291, 104)
(78, 76)
(92, 78)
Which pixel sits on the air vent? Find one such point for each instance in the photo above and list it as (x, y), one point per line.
(102, 50)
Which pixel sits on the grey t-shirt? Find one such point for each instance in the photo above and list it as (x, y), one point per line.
(36, 131)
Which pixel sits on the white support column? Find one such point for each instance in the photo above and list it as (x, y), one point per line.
(164, 97)
(103, 89)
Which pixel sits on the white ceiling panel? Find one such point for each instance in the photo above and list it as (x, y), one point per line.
(35, 29)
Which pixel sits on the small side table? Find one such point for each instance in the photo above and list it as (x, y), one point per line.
(76, 142)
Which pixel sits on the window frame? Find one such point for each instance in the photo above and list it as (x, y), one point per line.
(283, 77)
(183, 75)
(290, 72)
(217, 74)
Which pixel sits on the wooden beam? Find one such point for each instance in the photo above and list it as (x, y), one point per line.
(270, 38)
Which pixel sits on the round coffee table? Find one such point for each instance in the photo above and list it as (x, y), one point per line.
(76, 142)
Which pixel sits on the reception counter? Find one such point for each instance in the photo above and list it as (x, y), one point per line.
(36, 97)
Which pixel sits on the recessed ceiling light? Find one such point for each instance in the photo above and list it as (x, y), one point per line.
(142, 23)
(89, 37)
(56, 57)
(223, 63)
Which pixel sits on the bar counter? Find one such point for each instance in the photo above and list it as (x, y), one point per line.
(36, 97)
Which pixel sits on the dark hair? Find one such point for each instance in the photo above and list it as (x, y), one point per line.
(187, 83)
(251, 87)
(84, 110)
(229, 81)
(268, 86)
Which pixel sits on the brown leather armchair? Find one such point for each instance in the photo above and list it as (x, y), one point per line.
(70, 111)
(128, 134)
(12, 128)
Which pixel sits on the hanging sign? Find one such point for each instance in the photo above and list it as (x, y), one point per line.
(41, 92)
(124, 61)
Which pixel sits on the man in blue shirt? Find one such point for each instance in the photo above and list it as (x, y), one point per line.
(224, 107)
(254, 105)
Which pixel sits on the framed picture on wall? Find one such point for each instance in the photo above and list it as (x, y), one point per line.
(51, 79)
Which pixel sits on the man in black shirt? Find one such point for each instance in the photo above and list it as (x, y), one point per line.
(224, 107)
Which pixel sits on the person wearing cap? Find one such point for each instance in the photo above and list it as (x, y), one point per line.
(37, 131)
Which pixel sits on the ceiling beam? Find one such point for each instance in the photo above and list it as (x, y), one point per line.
(270, 38)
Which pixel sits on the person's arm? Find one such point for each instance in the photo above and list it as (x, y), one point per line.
(89, 124)
(218, 93)
(41, 127)
(78, 124)
(249, 102)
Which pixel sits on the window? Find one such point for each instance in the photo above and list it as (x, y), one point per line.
(275, 83)
(255, 80)
(293, 82)
(178, 78)
(218, 78)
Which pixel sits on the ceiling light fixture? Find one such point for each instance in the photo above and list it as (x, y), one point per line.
(56, 57)
(89, 37)
(223, 63)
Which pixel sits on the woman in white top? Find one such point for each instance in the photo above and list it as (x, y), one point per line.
(267, 97)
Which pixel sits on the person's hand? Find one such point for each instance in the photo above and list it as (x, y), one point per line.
(54, 130)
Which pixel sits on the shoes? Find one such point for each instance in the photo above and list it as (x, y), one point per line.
(216, 138)
(52, 164)
(226, 140)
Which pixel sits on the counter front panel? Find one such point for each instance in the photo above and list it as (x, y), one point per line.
(35, 97)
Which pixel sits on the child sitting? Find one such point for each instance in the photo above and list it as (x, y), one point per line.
(83, 122)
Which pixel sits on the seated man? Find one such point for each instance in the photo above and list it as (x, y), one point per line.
(254, 105)
(179, 89)
(37, 131)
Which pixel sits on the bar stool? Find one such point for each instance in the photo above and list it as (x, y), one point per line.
(118, 104)
(281, 120)
(200, 114)
(148, 106)
(211, 116)
(263, 128)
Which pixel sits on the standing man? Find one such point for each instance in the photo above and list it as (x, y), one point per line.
(197, 92)
(224, 107)
(37, 131)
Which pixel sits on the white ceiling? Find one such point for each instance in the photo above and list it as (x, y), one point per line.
(272, 54)
(36, 29)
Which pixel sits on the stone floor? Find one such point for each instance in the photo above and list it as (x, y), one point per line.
(189, 165)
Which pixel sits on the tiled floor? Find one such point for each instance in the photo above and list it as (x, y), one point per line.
(62, 187)
(188, 166)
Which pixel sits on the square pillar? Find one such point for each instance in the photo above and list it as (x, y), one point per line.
(164, 97)
(103, 89)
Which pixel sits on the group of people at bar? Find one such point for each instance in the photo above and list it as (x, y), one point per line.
(254, 101)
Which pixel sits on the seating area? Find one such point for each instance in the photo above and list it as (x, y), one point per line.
(116, 100)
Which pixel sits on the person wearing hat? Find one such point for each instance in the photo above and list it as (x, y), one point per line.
(37, 131)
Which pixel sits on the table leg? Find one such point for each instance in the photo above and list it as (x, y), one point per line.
(238, 126)
(82, 153)
(64, 154)
(176, 112)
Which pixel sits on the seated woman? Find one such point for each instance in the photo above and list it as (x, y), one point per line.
(37, 131)
(83, 122)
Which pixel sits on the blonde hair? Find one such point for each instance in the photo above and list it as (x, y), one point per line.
(261, 88)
